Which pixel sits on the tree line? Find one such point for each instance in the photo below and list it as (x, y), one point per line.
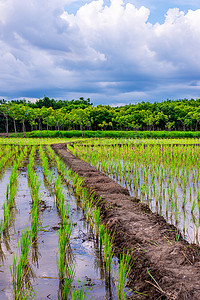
(50, 114)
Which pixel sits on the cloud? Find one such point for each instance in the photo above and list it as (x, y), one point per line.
(109, 52)
(177, 41)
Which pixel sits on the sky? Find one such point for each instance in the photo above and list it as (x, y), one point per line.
(114, 52)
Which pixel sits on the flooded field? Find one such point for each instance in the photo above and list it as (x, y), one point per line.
(52, 243)
(164, 174)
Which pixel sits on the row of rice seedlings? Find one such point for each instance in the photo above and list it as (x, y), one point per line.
(92, 212)
(168, 174)
(80, 292)
(11, 193)
(36, 141)
(20, 268)
(69, 176)
(66, 273)
(34, 185)
(31, 141)
(65, 269)
(123, 272)
(57, 186)
(5, 153)
(113, 142)
(66, 173)
(105, 240)
(7, 156)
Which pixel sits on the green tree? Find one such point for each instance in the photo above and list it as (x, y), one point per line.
(46, 113)
(195, 115)
(13, 114)
(80, 117)
(4, 110)
(22, 115)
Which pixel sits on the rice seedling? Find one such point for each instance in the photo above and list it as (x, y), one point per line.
(63, 241)
(121, 277)
(60, 200)
(6, 216)
(11, 191)
(178, 234)
(34, 185)
(101, 234)
(69, 277)
(184, 202)
(24, 246)
(19, 270)
(21, 289)
(81, 293)
(108, 252)
(193, 206)
(1, 227)
(34, 221)
(96, 217)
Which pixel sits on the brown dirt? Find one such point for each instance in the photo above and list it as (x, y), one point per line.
(175, 265)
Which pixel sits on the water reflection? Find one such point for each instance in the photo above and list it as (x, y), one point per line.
(84, 251)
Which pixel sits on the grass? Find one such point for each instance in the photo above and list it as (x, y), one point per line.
(107, 134)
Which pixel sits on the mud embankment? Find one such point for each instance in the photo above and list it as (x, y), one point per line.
(163, 268)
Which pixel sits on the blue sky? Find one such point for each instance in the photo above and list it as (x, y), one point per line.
(114, 52)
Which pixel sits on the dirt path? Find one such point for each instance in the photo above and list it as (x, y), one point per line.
(174, 265)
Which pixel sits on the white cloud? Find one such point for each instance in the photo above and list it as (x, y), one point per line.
(178, 40)
(109, 50)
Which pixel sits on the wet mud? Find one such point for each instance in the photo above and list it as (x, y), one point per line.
(164, 265)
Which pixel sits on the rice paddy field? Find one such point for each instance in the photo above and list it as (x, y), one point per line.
(163, 173)
(53, 245)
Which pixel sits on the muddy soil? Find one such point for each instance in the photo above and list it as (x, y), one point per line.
(164, 266)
